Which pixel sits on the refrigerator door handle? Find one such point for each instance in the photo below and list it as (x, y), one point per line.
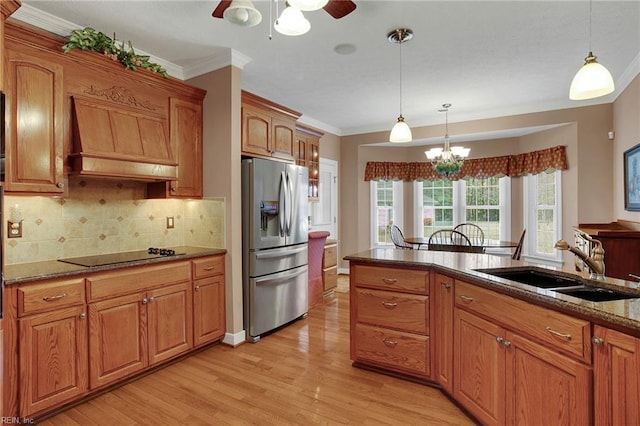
(271, 254)
(289, 205)
(281, 277)
(282, 200)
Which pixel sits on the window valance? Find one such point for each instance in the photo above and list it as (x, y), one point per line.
(544, 160)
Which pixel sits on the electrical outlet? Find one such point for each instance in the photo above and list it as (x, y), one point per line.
(170, 222)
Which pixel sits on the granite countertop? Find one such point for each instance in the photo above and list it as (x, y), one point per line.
(623, 315)
(37, 271)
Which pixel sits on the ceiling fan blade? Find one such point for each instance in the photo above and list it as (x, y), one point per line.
(340, 8)
(219, 10)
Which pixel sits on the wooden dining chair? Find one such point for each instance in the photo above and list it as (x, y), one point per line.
(518, 251)
(398, 238)
(472, 231)
(451, 240)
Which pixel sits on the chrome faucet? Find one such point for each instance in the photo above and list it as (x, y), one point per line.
(595, 263)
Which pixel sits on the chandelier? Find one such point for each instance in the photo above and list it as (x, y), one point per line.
(448, 160)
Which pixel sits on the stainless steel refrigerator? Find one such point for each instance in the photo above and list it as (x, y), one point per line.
(274, 242)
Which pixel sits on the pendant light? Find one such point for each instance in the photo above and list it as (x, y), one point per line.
(447, 161)
(592, 80)
(243, 13)
(292, 22)
(401, 131)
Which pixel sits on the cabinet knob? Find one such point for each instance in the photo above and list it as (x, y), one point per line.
(506, 343)
(144, 301)
(60, 185)
(151, 299)
(174, 189)
(83, 315)
(197, 287)
(499, 339)
(446, 285)
(598, 341)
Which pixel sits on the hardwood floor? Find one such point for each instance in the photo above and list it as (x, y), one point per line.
(299, 375)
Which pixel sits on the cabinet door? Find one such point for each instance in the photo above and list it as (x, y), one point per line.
(313, 163)
(282, 141)
(117, 342)
(479, 363)
(301, 150)
(208, 310)
(616, 372)
(53, 359)
(256, 132)
(186, 142)
(170, 327)
(35, 107)
(544, 387)
(443, 330)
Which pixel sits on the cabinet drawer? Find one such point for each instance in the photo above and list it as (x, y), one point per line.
(553, 329)
(330, 257)
(330, 278)
(406, 312)
(50, 295)
(208, 267)
(395, 349)
(133, 280)
(391, 278)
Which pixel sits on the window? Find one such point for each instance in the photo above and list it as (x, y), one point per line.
(444, 204)
(542, 211)
(386, 202)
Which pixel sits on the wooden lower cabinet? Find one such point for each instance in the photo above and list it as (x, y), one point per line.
(135, 318)
(517, 363)
(616, 371)
(53, 359)
(443, 301)
(169, 322)
(389, 324)
(117, 341)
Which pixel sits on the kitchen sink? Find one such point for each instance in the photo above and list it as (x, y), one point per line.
(535, 277)
(597, 294)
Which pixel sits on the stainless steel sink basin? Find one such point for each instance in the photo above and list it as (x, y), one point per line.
(597, 294)
(535, 277)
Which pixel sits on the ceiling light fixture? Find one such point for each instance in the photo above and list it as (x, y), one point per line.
(308, 5)
(243, 13)
(292, 22)
(401, 131)
(592, 80)
(447, 161)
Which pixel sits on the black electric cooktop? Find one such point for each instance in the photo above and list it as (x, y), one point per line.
(113, 258)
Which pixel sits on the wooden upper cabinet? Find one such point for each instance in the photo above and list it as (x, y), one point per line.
(35, 135)
(185, 122)
(308, 154)
(268, 129)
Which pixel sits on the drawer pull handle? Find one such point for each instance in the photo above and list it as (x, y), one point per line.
(446, 285)
(389, 280)
(556, 333)
(390, 343)
(466, 298)
(389, 305)
(56, 297)
(209, 268)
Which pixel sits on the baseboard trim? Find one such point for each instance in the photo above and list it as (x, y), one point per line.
(234, 339)
(343, 271)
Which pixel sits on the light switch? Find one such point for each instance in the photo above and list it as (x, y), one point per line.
(170, 223)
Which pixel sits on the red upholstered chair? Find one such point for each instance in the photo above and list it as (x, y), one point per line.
(317, 240)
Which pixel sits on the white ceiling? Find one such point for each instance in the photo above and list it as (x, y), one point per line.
(486, 58)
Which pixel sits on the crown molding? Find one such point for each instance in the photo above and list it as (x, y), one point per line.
(223, 58)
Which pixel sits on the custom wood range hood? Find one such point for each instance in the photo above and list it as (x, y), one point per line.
(114, 141)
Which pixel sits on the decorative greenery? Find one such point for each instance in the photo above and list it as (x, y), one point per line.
(95, 41)
(447, 167)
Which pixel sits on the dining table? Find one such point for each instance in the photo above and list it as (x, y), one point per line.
(487, 244)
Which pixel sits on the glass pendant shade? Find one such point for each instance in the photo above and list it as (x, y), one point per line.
(400, 132)
(308, 5)
(292, 22)
(591, 81)
(243, 13)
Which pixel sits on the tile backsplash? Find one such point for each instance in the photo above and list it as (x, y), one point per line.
(104, 216)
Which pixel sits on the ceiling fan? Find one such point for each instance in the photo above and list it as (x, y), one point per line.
(336, 8)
